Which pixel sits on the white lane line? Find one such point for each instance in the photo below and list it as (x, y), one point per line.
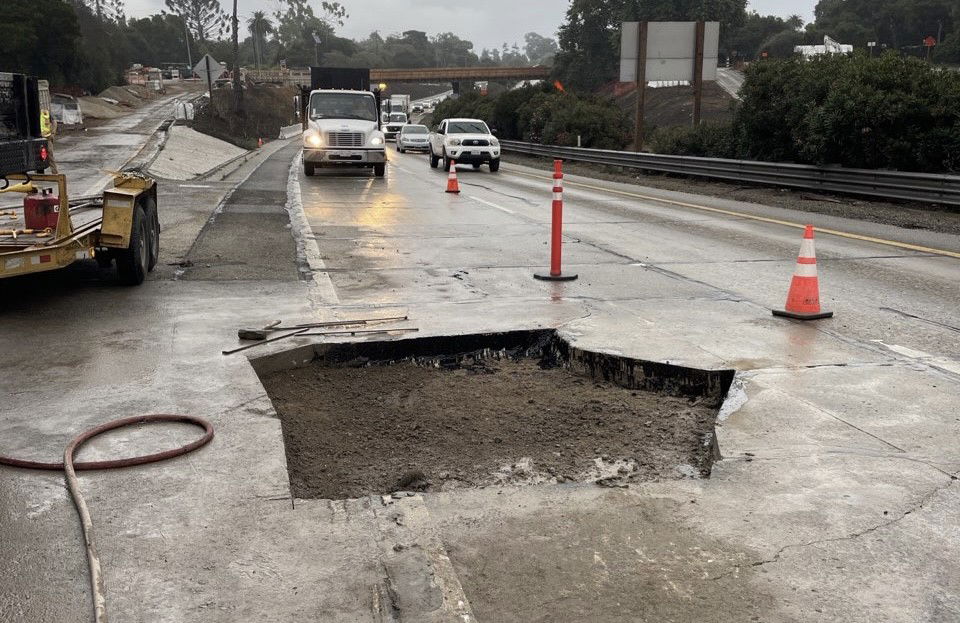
(937, 362)
(492, 205)
(194, 186)
(323, 291)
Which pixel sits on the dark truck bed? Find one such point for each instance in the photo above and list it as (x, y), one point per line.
(22, 147)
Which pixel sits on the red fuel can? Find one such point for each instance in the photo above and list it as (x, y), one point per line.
(41, 210)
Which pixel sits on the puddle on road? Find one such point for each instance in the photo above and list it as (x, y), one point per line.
(514, 408)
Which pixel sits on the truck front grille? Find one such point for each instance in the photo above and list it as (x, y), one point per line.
(345, 139)
(476, 142)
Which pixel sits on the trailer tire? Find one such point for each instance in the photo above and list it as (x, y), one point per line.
(308, 169)
(133, 262)
(153, 225)
(379, 170)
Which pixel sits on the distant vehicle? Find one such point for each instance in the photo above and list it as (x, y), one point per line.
(395, 123)
(417, 108)
(400, 103)
(467, 141)
(65, 109)
(341, 121)
(413, 137)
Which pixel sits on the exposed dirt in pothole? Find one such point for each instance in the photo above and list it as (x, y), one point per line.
(355, 431)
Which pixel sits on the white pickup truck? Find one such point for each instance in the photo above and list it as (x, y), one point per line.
(343, 131)
(467, 141)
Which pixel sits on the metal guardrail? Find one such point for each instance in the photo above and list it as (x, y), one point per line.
(925, 187)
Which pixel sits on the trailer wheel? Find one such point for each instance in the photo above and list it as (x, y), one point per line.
(308, 169)
(379, 169)
(153, 225)
(133, 262)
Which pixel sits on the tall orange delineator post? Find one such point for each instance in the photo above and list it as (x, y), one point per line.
(556, 230)
(803, 299)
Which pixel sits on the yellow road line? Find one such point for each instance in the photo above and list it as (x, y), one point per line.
(753, 217)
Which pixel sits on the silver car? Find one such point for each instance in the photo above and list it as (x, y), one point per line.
(413, 137)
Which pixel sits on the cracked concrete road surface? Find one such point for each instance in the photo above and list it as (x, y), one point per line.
(835, 500)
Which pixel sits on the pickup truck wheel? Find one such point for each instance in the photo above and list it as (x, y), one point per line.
(495, 165)
(308, 168)
(153, 225)
(133, 262)
(446, 162)
(434, 161)
(379, 169)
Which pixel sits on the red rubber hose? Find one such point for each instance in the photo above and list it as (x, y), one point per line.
(129, 462)
(70, 468)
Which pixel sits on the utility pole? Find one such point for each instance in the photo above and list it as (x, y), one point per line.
(316, 40)
(237, 87)
(186, 38)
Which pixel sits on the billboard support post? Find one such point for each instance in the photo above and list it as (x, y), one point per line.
(638, 122)
(698, 72)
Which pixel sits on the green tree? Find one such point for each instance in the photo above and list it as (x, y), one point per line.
(896, 23)
(27, 27)
(157, 39)
(298, 28)
(747, 40)
(205, 18)
(539, 49)
(259, 26)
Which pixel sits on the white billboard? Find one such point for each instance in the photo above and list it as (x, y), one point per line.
(671, 48)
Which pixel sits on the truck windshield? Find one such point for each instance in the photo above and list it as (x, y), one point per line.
(467, 127)
(343, 106)
(398, 117)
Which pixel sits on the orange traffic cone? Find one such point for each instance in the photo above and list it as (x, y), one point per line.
(452, 185)
(259, 143)
(803, 300)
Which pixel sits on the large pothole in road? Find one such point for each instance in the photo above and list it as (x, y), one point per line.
(477, 410)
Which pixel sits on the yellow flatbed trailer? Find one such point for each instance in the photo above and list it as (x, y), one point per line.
(120, 225)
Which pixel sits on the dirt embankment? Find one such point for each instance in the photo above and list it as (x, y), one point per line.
(673, 106)
(265, 109)
(355, 431)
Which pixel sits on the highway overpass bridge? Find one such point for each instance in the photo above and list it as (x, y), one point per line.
(453, 75)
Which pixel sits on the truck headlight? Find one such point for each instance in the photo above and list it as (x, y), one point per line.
(376, 140)
(453, 141)
(494, 142)
(313, 139)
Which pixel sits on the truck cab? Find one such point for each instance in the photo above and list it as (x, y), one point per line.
(343, 130)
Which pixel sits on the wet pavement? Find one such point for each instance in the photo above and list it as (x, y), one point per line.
(835, 499)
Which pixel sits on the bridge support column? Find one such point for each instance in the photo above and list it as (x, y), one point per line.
(456, 88)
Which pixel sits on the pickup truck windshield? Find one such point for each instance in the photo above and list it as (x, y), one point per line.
(343, 106)
(467, 127)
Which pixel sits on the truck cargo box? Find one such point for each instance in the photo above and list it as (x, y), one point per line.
(340, 78)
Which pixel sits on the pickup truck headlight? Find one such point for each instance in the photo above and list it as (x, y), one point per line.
(314, 140)
(494, 142)
(376, 140)
(453, 141)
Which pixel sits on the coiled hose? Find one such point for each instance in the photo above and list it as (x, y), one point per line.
(70, 468)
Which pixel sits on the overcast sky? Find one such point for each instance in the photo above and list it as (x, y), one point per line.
(487, 24)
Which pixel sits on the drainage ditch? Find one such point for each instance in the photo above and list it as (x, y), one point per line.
(524, 407)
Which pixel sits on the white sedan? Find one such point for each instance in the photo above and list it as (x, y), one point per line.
(413, 137)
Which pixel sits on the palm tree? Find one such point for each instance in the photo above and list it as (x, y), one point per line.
(259, 25)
